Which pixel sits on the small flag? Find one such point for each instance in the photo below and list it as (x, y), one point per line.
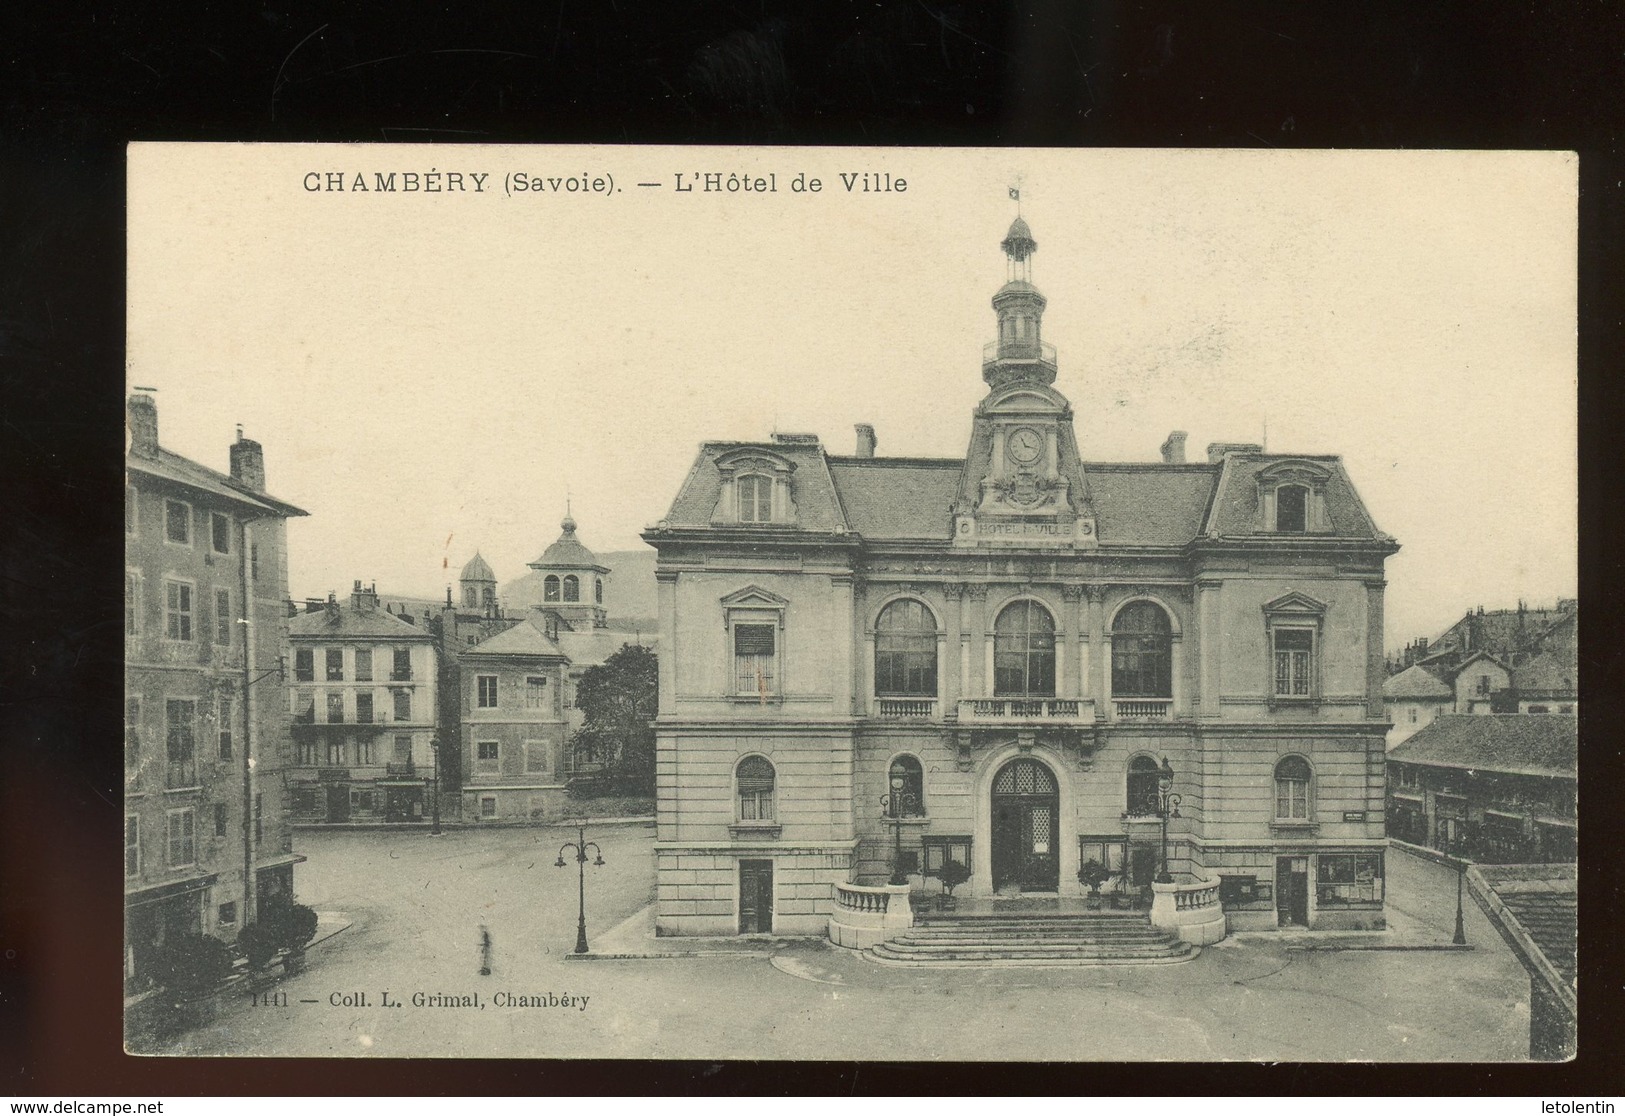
(1015, 194)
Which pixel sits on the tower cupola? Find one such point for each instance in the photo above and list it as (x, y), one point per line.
(1020, 352)
(479, 585)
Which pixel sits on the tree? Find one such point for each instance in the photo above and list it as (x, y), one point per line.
(619, 699)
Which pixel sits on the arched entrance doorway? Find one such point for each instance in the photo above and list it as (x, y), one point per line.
(1025, 813)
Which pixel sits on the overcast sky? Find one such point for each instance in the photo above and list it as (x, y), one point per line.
(432, 373)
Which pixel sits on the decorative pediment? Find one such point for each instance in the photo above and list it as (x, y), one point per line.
(745, 459)
(1025, 399)
(1294, 472)
(754, 596)
(1296, 604)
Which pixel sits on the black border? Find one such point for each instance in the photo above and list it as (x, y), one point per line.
(79, 84)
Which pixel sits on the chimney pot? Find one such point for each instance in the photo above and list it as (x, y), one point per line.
(866, 439)
(1173, 448)
(1218, 451)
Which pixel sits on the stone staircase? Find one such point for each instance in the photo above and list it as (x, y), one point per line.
(1028, 939)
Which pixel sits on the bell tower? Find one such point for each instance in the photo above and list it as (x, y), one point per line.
(1023, 484)
(1020, 352)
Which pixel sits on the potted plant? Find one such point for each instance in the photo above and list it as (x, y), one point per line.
(952, 874)
(1091, 875)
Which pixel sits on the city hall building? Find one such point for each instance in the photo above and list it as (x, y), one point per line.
(1009, 646)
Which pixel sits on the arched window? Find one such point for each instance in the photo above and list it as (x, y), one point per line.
(1024, 650)
(1140, 652)
(907, 787)
(1142, 787)
(1293, 783)
(597, 590)
(1292, 508)
(755, 778)
(469, 598)
(755, 498)
(906, 651)
(550, 588)
(489, 594)
(572, 587)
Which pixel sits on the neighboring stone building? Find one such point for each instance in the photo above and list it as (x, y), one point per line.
(1414, 698)
(1013, 643)
(513, 732)
(1495, 788)
(363, 711)
(206, 831)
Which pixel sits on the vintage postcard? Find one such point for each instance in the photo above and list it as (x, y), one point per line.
(854, 604)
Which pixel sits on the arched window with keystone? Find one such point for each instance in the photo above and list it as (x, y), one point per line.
(755, 780)
(906, 650)
(1024, 651)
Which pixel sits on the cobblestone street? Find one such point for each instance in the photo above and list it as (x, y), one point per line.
(416, 904)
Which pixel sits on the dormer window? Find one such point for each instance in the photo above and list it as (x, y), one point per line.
(755, 499)
(756, 488)
(1292, 508)
(1292, 498)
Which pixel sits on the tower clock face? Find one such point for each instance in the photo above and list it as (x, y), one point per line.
(1025, 445)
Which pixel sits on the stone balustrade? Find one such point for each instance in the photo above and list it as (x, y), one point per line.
(865, 916)
(1191, 909)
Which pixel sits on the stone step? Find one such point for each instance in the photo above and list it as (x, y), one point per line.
(1055, 939)
(1137, 949)
(949, 961)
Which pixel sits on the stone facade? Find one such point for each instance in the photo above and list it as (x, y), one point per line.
(207, 832)
(363, 705)
(989, 658)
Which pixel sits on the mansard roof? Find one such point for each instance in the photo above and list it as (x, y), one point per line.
(1236, 507)
(912, 498)
(818, 506)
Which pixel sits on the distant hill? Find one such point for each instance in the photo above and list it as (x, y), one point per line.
(629, 588)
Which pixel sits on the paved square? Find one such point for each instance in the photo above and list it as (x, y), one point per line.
(417, 903)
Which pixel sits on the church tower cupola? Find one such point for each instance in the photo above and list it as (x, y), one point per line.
(1020, 352)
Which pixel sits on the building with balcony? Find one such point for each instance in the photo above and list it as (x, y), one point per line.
(362, 700)
(206, 827)
(1007, 646)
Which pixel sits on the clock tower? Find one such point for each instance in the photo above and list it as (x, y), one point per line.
(1023, 483)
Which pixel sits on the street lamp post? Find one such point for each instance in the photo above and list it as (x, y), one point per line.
(894, 804)
(580, 846)
(1461, 927)
(434, 802)
(1168, 803)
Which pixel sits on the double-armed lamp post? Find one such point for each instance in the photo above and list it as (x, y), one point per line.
(894, 804)
(580, 846)
(1168, 807)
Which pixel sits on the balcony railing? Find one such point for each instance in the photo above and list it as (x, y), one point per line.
(910, 708)
(1143, 709)
(180, 773)
(1024, 710)
(1041, 351)
(403, 768)
(401, 675)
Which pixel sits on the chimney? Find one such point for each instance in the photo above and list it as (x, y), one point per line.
(141, 412)
(248, 463)
(866, 439)
(1218, 451)
(1173, 448)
